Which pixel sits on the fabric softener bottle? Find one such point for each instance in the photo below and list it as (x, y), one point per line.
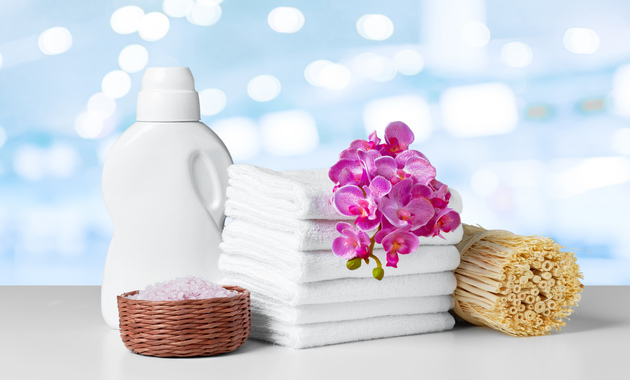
(164, 184)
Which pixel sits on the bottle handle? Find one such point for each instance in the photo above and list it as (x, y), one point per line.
(210, 180)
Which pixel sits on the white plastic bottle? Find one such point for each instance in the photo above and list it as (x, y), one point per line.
(164, 185)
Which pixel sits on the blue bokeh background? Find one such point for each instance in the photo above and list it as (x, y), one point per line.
(523, 107)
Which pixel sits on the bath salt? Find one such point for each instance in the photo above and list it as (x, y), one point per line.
(183, 288)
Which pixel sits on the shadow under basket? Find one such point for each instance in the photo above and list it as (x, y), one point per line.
(185, 328)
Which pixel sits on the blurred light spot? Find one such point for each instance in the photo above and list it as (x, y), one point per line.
(286, 20)
(133, 58)
(89, 125)
(3, 136)
(410, 109)
(28, 163)
(375, 67)
(209, 2)
(62, 160)
(33, 163)
(484, 182)
(408, 62)
(212, 101)
(581, 40)
(289, 133)
(116, 84)
(538, 112)
(55, 41)
(479, 110)
(240, 135)
(476, 34)
(592, 173)
(177, 8)
(204, 14)
(620, 141)
(127, 19)
(516, 54)
(313, 71)
(154, 26)
(101, 105)
(264, 88)
(375, 27)
(621, 90)
(323, 73)
(593, 105)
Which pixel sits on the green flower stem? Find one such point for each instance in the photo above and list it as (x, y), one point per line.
(378, 262)
(372, 242)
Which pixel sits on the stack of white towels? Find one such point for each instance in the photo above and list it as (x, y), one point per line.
(278, 246)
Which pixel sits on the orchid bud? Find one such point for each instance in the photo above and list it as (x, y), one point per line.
(378, 273)
(353, 264)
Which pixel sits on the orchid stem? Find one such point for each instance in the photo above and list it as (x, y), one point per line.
(378, 262)
(372, 242)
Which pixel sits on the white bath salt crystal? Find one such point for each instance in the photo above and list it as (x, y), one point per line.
(183, 288)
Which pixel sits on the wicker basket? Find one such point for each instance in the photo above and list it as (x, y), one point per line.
(185, 328)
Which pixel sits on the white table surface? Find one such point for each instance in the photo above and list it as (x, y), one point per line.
(57, 333)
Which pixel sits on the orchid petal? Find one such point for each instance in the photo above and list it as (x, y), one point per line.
(392, 259)
(389, 207)
(402, 157)
(346, 197)
(401, 192)
(367, 224)
(364, 239)
(420, 169)
(421, 210)
(336, 169)
(344, 248)
(360, 144)
(357, 178)
(367, 161)
(385, 166)
(380, 187)
(349, 154)
(421, 191)
(343, 226)
(373, 138)
(448, 220)
(398, 136)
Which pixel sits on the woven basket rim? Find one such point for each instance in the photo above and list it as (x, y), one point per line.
(242, 292)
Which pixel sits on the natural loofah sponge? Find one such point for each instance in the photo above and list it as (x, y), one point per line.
(519, 285)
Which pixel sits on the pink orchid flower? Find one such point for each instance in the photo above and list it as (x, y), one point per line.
(416, 168)
(372, 143)
(402, 157)
(348, 172)
(351, 200)
(398, 137)
(353, 244)
(399, 242)
(446, 220)
(436, 192)
(402, 211)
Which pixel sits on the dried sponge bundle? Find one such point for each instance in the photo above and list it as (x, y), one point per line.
(519, 285)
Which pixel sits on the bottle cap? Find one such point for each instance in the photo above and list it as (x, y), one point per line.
(168, 94)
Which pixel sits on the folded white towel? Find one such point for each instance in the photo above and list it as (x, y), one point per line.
(346, 311)
(299, 194)
(310, 235)
(245, 253)
(321, 334)
(342, 290)
(277, 199)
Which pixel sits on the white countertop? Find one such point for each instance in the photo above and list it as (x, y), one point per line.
(57, 333)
